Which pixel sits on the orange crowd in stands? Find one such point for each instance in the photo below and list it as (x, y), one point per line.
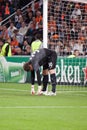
(67, 26)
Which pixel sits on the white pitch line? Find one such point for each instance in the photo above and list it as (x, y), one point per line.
(59, 91)
(8, 89)
(72, 91)
(44, 107)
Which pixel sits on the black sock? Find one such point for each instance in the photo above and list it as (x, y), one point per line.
(32, 77)
(53, 82)
(45, 82)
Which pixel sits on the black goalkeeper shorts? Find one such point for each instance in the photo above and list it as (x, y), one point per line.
(50, 62)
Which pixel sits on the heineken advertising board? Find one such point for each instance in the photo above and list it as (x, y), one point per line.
(68, 70)
(71, 70)
(11, 69)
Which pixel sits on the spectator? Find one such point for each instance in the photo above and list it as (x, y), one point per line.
(14, 42)
(23, 29)
(19, 23)
(74, 33)
(17, 15)
(11, 29)
(34, 22)
(38, 18)
(67, 50)
(79, 47)
(75, 54)
(18, 51)
(12, 6)
(26, 49)
(29, 17)
(5, 35)
(52, 23)
(18, 36)
(30, 32)
(7, 10)
(76, 12)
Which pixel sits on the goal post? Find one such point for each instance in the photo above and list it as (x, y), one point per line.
(45, 23)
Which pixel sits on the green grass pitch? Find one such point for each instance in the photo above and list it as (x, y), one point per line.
(19, 110)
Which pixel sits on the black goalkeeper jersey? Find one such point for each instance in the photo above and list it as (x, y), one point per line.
(39, 57)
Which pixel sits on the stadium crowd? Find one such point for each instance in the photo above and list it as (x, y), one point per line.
(67, 26)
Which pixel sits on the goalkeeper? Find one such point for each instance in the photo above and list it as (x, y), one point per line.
(35, 45)
(46, 58)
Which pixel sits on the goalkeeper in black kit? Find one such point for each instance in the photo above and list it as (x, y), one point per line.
(46, 58)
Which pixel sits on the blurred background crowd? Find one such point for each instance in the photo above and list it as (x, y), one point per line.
(67, 25)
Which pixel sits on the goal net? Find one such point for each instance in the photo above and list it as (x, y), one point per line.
(66, 32)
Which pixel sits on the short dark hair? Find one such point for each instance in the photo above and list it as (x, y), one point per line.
(26, 66)
(76, 50)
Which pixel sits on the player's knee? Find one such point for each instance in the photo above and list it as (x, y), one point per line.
(52, 71)
(45, 72)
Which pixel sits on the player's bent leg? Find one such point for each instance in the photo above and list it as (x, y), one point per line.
(39, 83)
(32, 82)
(45, 82)
(53, 82)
